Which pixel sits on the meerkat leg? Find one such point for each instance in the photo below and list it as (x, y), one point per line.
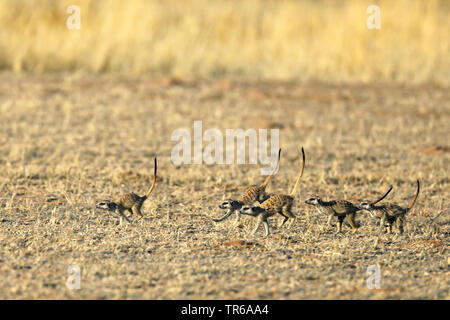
(258, 222)
(289, 215)
(266, 227)
(283, 222)
(383, 223)
(129, 213)
(329, 220)
(121, 214)
(351, 221)
(399, 222)
(226, 215)
(391, 222)
(238, 217)
(136, 209)
(339, 224)
(285, 218)
(389, 227)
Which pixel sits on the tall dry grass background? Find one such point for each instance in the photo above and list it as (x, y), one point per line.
(319, 40)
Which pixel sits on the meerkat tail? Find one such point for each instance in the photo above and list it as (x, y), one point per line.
(417, 194)
(273, 171)
(294, 190)
(384, 196)
(153, 182)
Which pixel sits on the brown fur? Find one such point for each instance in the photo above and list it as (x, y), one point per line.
(389, 212)
(281, 204)
(129, 202)
(248, 197)
(336, 208)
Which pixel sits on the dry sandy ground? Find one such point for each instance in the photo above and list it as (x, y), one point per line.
(68, 141)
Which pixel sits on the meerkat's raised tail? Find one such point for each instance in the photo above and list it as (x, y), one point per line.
(415, 198)
(273, 171)
(384, 196)
(294, 190)
(154, 181)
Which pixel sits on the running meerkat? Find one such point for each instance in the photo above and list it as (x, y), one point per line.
(336, 208)
(367, 203)
(389, 212)
(280, 203)
(129, 202)
(248, 197)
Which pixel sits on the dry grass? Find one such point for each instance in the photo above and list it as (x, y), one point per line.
(325, 40)
(66, 142)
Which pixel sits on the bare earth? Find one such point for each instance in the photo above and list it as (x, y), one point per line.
(69, 141)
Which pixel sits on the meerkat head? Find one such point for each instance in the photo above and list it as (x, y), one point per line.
(106, 205)
(230, 204)
(368, 206)
(314, 201)
(251, 211)
(365, 205)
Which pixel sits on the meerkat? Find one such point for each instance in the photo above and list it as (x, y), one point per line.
(366, 203)
(336, 208)
(249, 196)
(389, 212)
(129, 202)
(280, 203)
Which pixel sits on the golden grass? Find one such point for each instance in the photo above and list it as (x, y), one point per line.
(325, 40)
